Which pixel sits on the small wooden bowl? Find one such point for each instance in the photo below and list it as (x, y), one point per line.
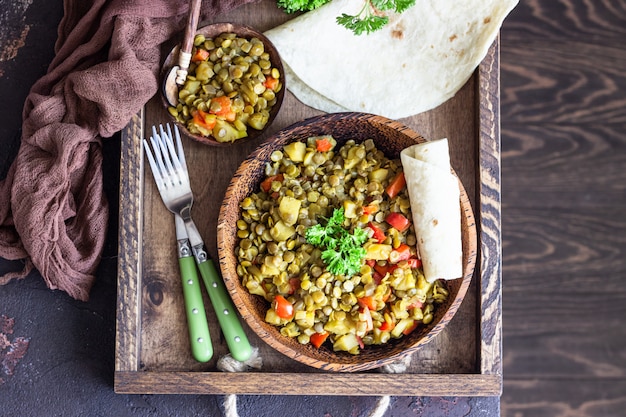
(390, 137)
(212, 31)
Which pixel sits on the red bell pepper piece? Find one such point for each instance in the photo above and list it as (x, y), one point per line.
(283, 308)
(317, 339)
(414, 263)
(379, 235)
(385, 269)
(398, 221)
(409, 329)
(367, 301)
(401, 253)
(386, 326)
(396, 185)
(372, 208)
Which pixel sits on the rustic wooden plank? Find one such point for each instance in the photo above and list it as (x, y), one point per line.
(577, 20)
(489, 213)
(563, 82)
(583, 248)
(563, 147)
(580, 397)
(565, 277)
(566, 165)
(463, 385)
(126, 338)
(563, 115)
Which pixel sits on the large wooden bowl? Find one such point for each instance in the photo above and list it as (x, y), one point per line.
(212, 31)
(390, 137)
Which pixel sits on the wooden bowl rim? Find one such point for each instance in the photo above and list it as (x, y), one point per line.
(335, 361)
(212, 30)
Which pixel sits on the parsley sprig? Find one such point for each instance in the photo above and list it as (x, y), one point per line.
(342, 251)
(370, 18)
(292, 6)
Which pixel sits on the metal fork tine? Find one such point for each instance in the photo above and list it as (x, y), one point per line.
(158, 153)
(173, 156)
(179, 145)
(179, 154)
(154, 138)
(158, 177)
(166, 152)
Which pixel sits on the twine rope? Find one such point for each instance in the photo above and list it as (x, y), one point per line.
(230, 406)
(228, 364)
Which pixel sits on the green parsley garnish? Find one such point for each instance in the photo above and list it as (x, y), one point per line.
(342, 251)
(363, 22)
(292, 6)
(370, 18)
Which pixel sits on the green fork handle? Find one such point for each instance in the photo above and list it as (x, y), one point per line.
(236, 338)
(199, 336)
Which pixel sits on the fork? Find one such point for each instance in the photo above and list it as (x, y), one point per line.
(169, 169)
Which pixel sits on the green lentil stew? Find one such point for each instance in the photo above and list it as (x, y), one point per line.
(288, 255)
(231, 86)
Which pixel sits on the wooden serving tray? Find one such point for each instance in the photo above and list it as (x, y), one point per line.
(152, 347)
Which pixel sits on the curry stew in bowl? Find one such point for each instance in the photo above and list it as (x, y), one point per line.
(318, 250)
(234, 88)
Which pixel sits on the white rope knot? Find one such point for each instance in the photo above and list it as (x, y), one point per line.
(229, 364)
(398, 367)
(230, 406)
(381, 407)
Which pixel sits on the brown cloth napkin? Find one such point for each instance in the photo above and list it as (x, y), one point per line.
(53, 213)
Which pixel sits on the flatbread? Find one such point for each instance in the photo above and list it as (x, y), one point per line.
(307, 95)
(435, 204)
(420, 59)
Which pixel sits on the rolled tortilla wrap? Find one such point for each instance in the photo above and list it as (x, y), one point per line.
(434, 193)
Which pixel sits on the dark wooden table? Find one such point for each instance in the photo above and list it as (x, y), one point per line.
(563, 147)
(564, 199)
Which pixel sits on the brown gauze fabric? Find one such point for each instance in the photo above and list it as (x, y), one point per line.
(53, 212)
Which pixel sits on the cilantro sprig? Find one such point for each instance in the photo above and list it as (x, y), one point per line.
(342, 251)
(369, 19)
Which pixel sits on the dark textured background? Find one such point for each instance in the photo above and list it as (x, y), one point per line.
(564, 237)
